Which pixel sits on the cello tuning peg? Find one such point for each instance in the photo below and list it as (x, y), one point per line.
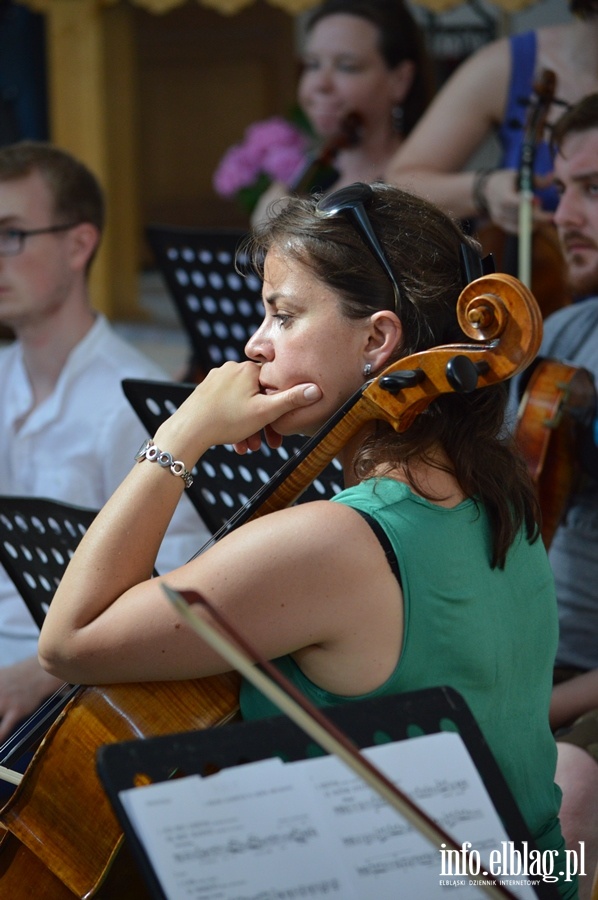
(395, 382)
(462, 374)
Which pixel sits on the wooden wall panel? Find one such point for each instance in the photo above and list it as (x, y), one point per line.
(202, 78)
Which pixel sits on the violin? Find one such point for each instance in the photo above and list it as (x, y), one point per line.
(534, 254)
(558, 399)
(319, 174)
(60, 828)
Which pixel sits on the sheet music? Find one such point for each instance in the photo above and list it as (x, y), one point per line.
(271, 830)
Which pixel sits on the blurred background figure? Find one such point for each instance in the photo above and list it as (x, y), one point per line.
(571, 335)
(365, 81)
(488, 94)
(67, 431)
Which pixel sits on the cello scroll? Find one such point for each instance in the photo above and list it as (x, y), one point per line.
(499, 313)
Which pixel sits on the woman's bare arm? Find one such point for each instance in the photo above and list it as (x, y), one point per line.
(470, 105)
(292, 581)
(572, 698)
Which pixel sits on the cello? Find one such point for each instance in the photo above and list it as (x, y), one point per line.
(60, 830)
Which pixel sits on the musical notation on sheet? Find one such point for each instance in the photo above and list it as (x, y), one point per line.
(271, 830)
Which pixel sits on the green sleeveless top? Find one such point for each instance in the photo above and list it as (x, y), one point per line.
(491, 634)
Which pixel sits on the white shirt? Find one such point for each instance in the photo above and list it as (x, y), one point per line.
(76, 446)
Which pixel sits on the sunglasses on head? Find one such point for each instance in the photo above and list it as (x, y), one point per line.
(351, 201)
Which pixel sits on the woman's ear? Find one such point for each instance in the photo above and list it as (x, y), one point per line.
(384, 336)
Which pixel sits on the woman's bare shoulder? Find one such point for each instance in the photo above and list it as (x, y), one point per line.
(309, 548)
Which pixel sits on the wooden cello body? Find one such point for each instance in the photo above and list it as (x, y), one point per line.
(62, 836)
(62, 839)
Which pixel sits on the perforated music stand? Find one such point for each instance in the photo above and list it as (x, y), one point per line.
(126, 765)
(219, 308)
(223, 481)
(37, 539)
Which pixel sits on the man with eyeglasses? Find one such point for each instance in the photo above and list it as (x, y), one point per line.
(67, 431)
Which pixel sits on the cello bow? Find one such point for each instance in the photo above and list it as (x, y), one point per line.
(43, 817)
(242, 656)
(534, 254)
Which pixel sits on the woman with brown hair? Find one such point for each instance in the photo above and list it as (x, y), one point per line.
(366, 79)
(426, 570)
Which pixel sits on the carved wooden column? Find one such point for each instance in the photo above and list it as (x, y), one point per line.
(91, 84)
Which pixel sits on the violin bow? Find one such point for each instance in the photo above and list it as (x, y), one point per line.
(237, 651)
(544, 92)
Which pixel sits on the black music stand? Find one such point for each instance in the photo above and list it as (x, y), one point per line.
(128, 764)
(219, 307)
(37, 539)
(223, 481)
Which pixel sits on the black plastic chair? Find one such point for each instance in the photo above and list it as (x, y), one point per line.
(218, 307)
(37, 539)
(223, 481)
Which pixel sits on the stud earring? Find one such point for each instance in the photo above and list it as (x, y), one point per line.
(367, 370)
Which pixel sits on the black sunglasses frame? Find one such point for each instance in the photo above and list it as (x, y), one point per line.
(351, 201)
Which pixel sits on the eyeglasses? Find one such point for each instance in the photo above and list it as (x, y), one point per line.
(13, 239)
(351, 201)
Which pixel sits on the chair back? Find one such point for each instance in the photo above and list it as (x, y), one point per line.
(37, 540)
(219, 308)
(224, 481)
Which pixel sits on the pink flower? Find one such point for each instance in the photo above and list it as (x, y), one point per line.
(273, 147)
(281, 163)
(275, 131)
(236, 170)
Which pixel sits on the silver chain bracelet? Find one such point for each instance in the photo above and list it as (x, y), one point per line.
(149, 451)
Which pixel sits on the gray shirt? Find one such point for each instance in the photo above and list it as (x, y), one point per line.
(571, 335)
